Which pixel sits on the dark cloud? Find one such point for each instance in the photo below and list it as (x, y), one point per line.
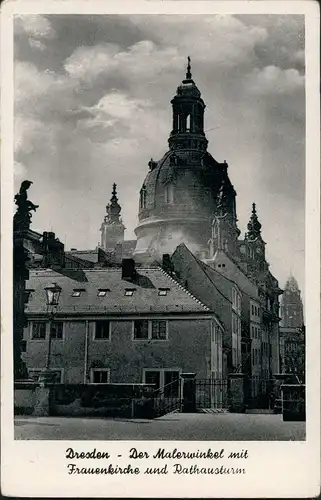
(72, 31)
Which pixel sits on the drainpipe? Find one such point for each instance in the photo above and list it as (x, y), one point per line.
(86, 350)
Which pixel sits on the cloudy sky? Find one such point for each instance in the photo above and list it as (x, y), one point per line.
(92, 106)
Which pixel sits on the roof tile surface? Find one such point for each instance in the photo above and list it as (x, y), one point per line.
(145, 298)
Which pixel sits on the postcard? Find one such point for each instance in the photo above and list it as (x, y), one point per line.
(160, 249)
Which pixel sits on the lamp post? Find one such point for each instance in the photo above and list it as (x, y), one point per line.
(52, 301)
(52, 297)
(42, 407)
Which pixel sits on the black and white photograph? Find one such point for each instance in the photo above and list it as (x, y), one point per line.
(158, 212)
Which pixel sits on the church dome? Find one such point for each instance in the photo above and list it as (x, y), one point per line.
(179, 194)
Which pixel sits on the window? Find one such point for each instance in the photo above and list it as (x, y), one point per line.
(188, 123)
(213, 333)
(56, 330)
(102, 292)
(252, 309)
(145, 329)
(166, 378)
(23, 345)
(38, 330)
(159, 330)
(102, 330)
(28, 294)
(169, 193)
(143, 197)
(141, 329)
(77, 292)
(100, 375)
(129, 292)
(153, 377)
(163, 291)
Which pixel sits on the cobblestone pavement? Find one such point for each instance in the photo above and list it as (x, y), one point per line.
(175, 426)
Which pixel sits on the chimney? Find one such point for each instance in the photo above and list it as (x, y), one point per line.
(52, 251)
(128, 271)
(167, 263)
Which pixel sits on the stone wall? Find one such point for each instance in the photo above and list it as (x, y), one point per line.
(187, 349)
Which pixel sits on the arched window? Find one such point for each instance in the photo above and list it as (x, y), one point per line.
(143, 197)
(188, 123)
(169, 193)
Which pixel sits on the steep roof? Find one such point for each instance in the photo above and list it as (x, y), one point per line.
(145, 298)
(87, 255)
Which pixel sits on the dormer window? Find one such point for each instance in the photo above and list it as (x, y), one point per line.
(129, 292)
(163, 291)
(102, 292)
(77, 292)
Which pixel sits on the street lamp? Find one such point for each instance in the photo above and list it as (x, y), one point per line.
(42, 406)
(52, 297)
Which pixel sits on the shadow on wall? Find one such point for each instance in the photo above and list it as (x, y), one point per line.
(171, 239)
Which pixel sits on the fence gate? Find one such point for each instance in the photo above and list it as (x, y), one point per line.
(260, 393)
(212, 393)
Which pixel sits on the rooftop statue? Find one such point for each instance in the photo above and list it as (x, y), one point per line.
(22, 217)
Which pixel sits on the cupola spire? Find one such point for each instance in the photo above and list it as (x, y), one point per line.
(188, 115)
(188, 72)
(113, 208)
(112, 228)
(254, 225)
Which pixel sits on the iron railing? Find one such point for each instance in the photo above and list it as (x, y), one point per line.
(212, 393)
(167, 399)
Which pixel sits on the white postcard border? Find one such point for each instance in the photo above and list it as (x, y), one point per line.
(274, 469)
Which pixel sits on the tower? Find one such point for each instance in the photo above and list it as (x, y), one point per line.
(188, 116)
(112, 228)
(224, 226)
(254, 245)
(292, 306)
(179, 195)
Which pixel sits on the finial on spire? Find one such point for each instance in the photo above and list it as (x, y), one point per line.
(188, 72)
(114, 193)
(254, 226)
(113, 208)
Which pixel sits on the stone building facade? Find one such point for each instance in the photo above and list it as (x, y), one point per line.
(292, 305)
(120, 325)
(250, 347)
(292, 331)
